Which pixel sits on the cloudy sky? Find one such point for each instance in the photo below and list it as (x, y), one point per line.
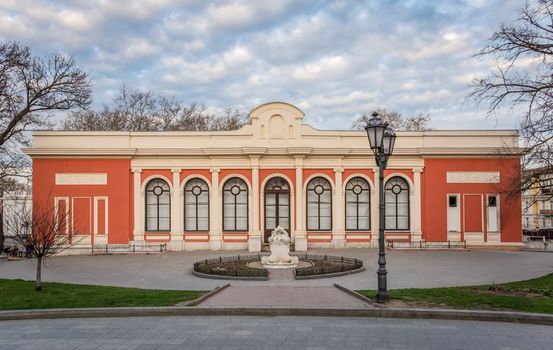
(333, 59)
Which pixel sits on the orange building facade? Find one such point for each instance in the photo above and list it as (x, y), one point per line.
(225, 190)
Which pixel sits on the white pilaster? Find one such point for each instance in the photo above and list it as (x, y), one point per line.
(338, 229)
(138, 231)
(417, 212)
(375, 220)
(300, 239)
(215, 225)
(254, 239)
(176, 243)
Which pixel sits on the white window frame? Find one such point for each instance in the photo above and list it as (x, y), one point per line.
(497, 212)
(458, 212)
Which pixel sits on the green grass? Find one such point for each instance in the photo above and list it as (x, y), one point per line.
(19, 294)
(535, 295)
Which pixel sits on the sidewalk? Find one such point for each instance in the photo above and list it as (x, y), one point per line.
(284, 297)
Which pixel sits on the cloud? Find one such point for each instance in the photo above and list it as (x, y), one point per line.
(335, 60)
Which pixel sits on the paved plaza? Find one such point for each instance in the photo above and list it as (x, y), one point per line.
(406, 269)
(249, 332)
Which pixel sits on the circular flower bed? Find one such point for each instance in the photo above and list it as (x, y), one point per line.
(230, 267)
(246, 267)
(327, 265)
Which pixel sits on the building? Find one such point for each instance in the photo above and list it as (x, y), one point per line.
(537, 204)
(15, 198)
(229, 189)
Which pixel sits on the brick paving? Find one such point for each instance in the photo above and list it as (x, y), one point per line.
(284, 296)
(249, 332)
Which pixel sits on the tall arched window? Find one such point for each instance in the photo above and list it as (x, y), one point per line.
(235, 205)
(358, 205)
(196, 205)
(397, 204)
(158, 206)
(319, 205)
(277, 205)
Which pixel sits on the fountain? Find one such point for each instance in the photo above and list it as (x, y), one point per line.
(279, 243)
(256, 267)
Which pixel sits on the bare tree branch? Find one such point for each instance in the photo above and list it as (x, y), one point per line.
(523, 80)
(136, 110)
(396, 121)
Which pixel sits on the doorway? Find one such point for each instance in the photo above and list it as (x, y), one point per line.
(277, 206)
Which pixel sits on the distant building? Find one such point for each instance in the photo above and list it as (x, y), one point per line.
(18, 194)
(224, 190)
(537, 205)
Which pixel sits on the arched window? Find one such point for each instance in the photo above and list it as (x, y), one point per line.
(358, 204)
(158, 206)
(319, 205)
(277, 205)
(397, 204)
(235, 205)
(196, 205)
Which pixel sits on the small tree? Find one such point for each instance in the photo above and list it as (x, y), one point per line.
(40, 230)
(396, 121)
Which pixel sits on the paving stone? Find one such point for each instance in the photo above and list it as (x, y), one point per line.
(284, 296)
(287, 333)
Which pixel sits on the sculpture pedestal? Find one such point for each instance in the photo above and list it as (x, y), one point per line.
(265, 261)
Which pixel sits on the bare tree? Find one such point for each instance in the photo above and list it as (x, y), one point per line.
(232, 119)
(137, 110)
(40, 229)
(396, 121)
(32, 88)
(523, 82)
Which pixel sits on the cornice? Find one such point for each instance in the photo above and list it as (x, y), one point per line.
(254, 150)
(79, 151)
(260, 151)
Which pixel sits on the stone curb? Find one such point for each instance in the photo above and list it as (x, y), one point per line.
(206, 296)
(473, 315)
(357, 295)
(537, 251)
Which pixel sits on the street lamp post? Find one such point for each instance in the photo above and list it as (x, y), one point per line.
(381, 140)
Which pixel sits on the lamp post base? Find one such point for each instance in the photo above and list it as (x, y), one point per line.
(382, 295)
(382, 298)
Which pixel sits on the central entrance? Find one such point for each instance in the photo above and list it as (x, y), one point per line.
(277, 206)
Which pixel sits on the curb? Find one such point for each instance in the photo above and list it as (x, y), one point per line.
(472, 315)
(357, 295)
(206, 296)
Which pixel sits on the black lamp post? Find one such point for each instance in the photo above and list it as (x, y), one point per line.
(382, 140)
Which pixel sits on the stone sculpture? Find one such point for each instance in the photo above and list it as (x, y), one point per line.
(279, 243)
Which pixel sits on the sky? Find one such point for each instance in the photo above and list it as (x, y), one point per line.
(335, 60)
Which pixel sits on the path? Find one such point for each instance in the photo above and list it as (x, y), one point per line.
(284, 296)
(248, 332)
(420, 269)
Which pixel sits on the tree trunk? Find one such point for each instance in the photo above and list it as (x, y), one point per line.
(38, 282)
